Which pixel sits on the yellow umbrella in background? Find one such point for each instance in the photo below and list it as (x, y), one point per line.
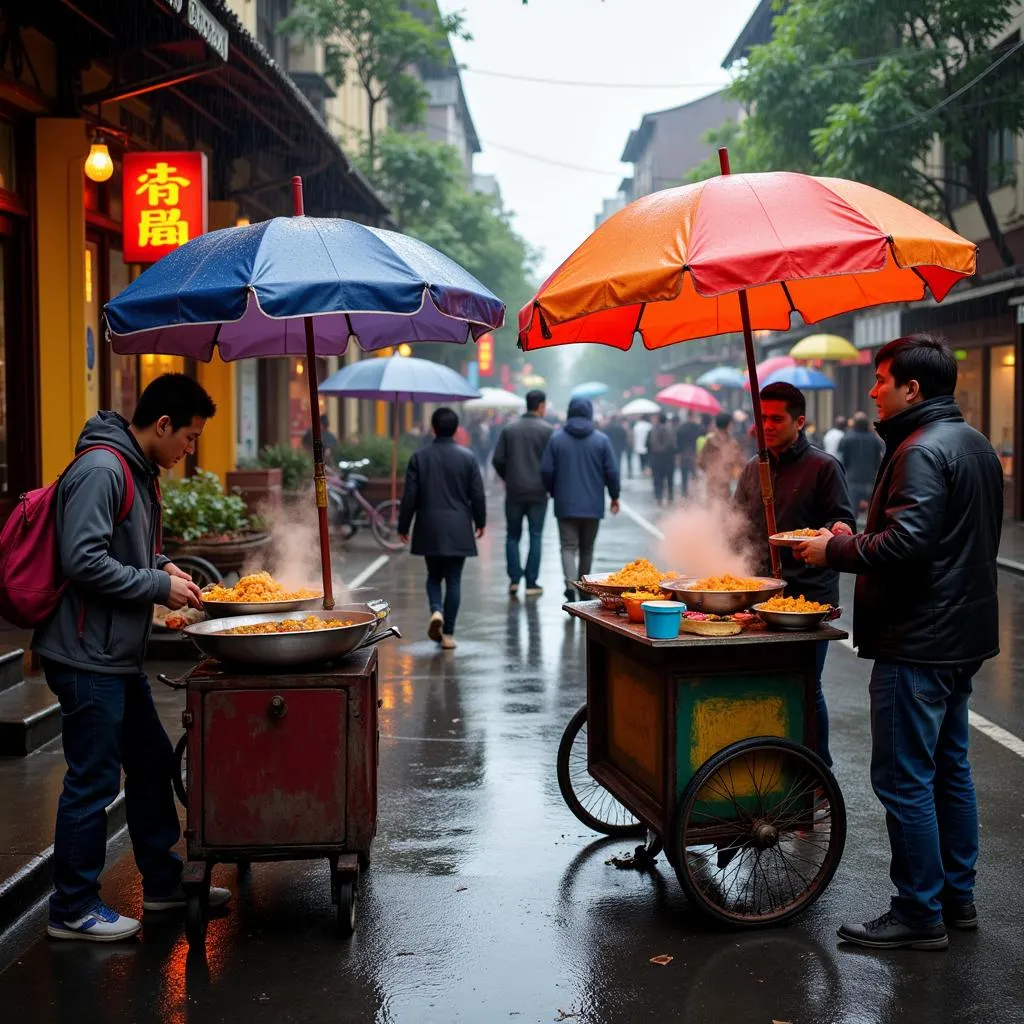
(824, 347)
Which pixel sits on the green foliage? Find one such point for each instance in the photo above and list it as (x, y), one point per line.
(861, 88)
(197, 507)
(378, 41)
(296, 465)
(424, 184)
(379, 451)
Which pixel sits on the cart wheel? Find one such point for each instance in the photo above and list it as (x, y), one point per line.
(345, 889)
(384, 526)
(196, 920)
(179, 771)
(586, 797)
(203, 573)
(759, 832)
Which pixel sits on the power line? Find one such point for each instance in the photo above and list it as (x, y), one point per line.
(596, 85)
(553, 163)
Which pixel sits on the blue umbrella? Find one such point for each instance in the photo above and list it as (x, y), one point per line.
(398, 379)
(802, 377)
(300, 286)
(722, 377)
(591, 389)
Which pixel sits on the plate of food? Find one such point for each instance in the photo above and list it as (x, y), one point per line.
(704, 624)
(792, 538)
(796, 613)
(725, 594)
(638, 575)
(167, 621)
(256, 594)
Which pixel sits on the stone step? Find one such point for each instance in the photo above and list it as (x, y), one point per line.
(12, 666)
(29, 717)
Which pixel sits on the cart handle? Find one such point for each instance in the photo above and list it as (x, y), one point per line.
(174, 684)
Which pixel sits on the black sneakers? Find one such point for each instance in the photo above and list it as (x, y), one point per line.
(961, 915)
(886, 932)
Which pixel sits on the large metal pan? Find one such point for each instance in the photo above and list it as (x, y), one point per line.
(222, 609)
(288, 650)
(722, 602)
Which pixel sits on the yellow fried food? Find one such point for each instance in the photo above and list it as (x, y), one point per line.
(793, 604)
(258, 586)
(641, 595)
(308, 624)
(805, 532)
(640, 575)
(726, 582)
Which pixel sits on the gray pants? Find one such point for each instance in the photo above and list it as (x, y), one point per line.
(577, 538)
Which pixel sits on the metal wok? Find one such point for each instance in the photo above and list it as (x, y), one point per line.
(288, 650)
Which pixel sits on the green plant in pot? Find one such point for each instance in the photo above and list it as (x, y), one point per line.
(296, 465)
(379, 450)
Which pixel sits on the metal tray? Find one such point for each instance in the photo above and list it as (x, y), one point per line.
(223, 609)
(798, 621)
(286, 650)
(722, 602)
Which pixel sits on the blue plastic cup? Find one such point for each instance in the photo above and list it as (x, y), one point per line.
(662, 619)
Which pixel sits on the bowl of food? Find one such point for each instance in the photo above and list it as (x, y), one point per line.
(792, 538)
(723, 595)
(256, 594)
(633, 599)
(793, 613)
(636, 576)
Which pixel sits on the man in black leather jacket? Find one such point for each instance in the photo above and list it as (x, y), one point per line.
(810, 491)
(926, 611)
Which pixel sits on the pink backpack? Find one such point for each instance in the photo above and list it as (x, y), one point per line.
(31, 580)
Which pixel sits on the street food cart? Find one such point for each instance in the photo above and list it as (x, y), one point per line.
(706, 745)
(278, 760)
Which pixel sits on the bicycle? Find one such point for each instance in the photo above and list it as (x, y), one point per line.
(348, 509)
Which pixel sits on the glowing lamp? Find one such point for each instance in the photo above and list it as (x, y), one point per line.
(242, 222)
(405, 350)
(98, 165)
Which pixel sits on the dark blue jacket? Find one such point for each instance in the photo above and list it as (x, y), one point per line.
(578, 464)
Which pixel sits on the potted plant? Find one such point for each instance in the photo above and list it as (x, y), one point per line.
(294, 464)
(200, 519)
(379, 450)
(258, 486)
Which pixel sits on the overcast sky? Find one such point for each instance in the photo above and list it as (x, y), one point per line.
(676, 43)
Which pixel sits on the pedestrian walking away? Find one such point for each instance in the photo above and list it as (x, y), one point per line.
(444, 494)
(810, 491)
(686, 444)
(661, 453)
(92, 650)
(860, 452)
(517, 457)
(641, 432)
(926, 614)
(620, 442)
(834, 436)
(577, 467)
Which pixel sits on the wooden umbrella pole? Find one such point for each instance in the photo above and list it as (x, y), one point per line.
(763, 465)
(319, 474)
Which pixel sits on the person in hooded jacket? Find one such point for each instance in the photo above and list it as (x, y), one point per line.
(577, 467)
(860, 452)
(92, 650)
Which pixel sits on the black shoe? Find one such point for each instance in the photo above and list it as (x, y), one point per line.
(960, 915)
(886, 932)
(570, 594)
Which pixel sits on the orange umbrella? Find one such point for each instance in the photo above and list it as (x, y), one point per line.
(743, 252)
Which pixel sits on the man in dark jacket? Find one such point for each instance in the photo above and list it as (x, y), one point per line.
(92, 650)
(619, 439)
(445, 493)
(860, 452)
(926, 611)
(578, 465)
(516, 460)
(686, 444)
(661, 454)
(810, 491)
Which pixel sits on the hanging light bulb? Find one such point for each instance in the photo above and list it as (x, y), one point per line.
(98, 165)
(405, 350)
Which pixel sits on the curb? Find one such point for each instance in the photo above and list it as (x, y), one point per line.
(31, 883)
(1009, 565)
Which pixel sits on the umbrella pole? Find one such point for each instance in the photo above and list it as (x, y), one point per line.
(319, 474)
(394, 463)
(763, 465)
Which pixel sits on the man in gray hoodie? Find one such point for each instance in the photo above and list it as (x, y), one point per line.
(92, 650)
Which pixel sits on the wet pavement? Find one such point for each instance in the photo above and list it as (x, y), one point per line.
(487, 901)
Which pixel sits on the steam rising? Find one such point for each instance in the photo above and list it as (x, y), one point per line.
(708, 539)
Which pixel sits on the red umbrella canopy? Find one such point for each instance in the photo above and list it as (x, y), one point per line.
(689, 396)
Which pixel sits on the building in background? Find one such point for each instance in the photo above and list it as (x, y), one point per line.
(159, 85)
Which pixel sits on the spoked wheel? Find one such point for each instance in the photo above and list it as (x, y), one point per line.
(384, 526)
(203, 573)
(179, 770)
(586, 797)
(759, 832)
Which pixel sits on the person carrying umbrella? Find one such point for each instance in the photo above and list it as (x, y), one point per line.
(810, 492)
(926, 611)
(444, 493)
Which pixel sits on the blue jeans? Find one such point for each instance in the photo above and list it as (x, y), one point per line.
(108, 722)
(821, 708)
(533, 512)
(920, 773)
(449, 572)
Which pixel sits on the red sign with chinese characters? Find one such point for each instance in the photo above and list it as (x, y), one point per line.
(163, 203)
(485, 355)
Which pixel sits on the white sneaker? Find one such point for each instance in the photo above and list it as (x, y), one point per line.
(435, 627)
(448, 643)
(101, 924)
(177, 899)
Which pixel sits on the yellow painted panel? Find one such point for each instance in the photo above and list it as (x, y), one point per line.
(216, 450)
(636, 722)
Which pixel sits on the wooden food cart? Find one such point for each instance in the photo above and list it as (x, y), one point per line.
(706, 745)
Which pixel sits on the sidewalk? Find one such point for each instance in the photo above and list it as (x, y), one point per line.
(1011, 547)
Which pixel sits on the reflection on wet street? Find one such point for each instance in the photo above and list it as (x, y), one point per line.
(488, 901)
